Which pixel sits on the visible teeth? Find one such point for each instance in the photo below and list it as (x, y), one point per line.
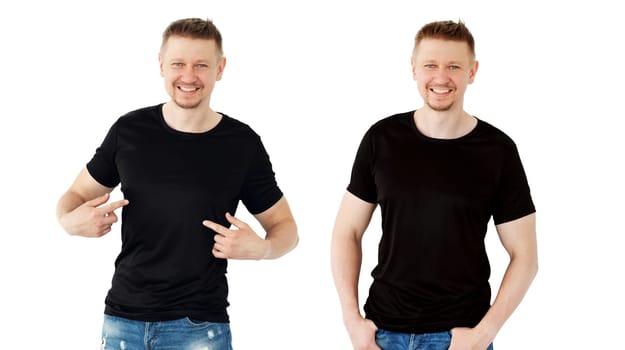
(187, 89)
(441, 91)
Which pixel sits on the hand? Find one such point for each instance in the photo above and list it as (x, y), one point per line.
(91, 219)
(463, 338)
(241, 243)
(362, 334)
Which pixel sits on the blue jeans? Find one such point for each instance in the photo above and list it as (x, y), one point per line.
(388, 340)
(183, 334)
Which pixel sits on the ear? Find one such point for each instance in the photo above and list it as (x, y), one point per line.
(413, 67)
(160, 63)
(473, 71)
(221, 67)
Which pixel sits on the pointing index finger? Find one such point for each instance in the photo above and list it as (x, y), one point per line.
(214, 226)
(116, 205)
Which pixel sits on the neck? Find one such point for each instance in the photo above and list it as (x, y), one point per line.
(192, 120)
(445, 124)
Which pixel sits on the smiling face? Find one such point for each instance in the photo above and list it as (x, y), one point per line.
(190, 68)
(443, 69)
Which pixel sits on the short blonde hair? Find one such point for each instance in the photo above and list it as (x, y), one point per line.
(195, 28)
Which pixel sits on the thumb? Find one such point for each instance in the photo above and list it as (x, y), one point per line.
(234, 221)
(98, 200)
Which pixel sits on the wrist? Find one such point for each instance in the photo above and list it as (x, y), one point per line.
(486, 332)
(352, 317)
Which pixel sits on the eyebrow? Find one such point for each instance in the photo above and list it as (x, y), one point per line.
(178, 59)
(448, 62)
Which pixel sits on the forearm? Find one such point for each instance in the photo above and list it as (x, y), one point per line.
(346, 253)
(68, 202)
(83, 189)
(515, 283)
(281, 239)
(346, 260)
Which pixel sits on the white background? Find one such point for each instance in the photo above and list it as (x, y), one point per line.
(310, 78)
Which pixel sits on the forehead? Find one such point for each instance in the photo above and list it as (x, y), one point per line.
(190, 48)
(442, 50)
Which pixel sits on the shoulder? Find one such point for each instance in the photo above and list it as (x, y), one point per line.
(237, 131)
(500, 144)
(494, 134)
(390, 124)
(237, 126)
(141, 114)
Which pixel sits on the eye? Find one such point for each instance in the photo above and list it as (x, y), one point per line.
(454, 67)
(202, 65)
(429, 66)
(177, 64)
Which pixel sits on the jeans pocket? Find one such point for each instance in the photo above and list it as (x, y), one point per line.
(196, 322)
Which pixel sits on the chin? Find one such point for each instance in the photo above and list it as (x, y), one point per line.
(440, 108)
(187, 105)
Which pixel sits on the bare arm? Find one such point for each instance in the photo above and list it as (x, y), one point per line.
(81, 210)
(519, 239)
(243, 243)
(351, 222)
(281, 229)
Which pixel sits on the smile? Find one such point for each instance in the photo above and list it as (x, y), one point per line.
(188, 89)
(440, 91)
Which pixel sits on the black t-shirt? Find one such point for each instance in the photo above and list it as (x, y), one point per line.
(436, 198)
(175, 180)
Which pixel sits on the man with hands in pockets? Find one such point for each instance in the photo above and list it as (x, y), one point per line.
(438, 174)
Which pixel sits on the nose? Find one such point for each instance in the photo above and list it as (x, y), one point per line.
(188, 74)
(440, 75)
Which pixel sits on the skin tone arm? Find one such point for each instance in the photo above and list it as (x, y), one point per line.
(351, 222)
(242, 242)
(82, 211)
(519, 239)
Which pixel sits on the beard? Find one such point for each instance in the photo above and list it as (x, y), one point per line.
(435, 101)
(187, 105)
(443, 108)
(185, 101)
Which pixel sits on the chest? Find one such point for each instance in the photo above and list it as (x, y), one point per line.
(185, 167)
(458, 173)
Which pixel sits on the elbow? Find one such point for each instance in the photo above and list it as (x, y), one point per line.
(295, 237)
(287, 241)
(531, 267)
(296, 240)
(526, 264)
(291, 227)
(535, 268)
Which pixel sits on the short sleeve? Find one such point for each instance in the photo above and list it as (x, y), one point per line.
(513, 199)
(260, 190)
(102, 166)
(362, 181)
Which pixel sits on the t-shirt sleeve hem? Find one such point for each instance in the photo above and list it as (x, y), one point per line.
(514, 216)
(270, 201)
(364, 197)
(90, 168)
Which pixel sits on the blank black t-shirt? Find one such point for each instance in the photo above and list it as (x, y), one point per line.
(436, 198)
(174, 180)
